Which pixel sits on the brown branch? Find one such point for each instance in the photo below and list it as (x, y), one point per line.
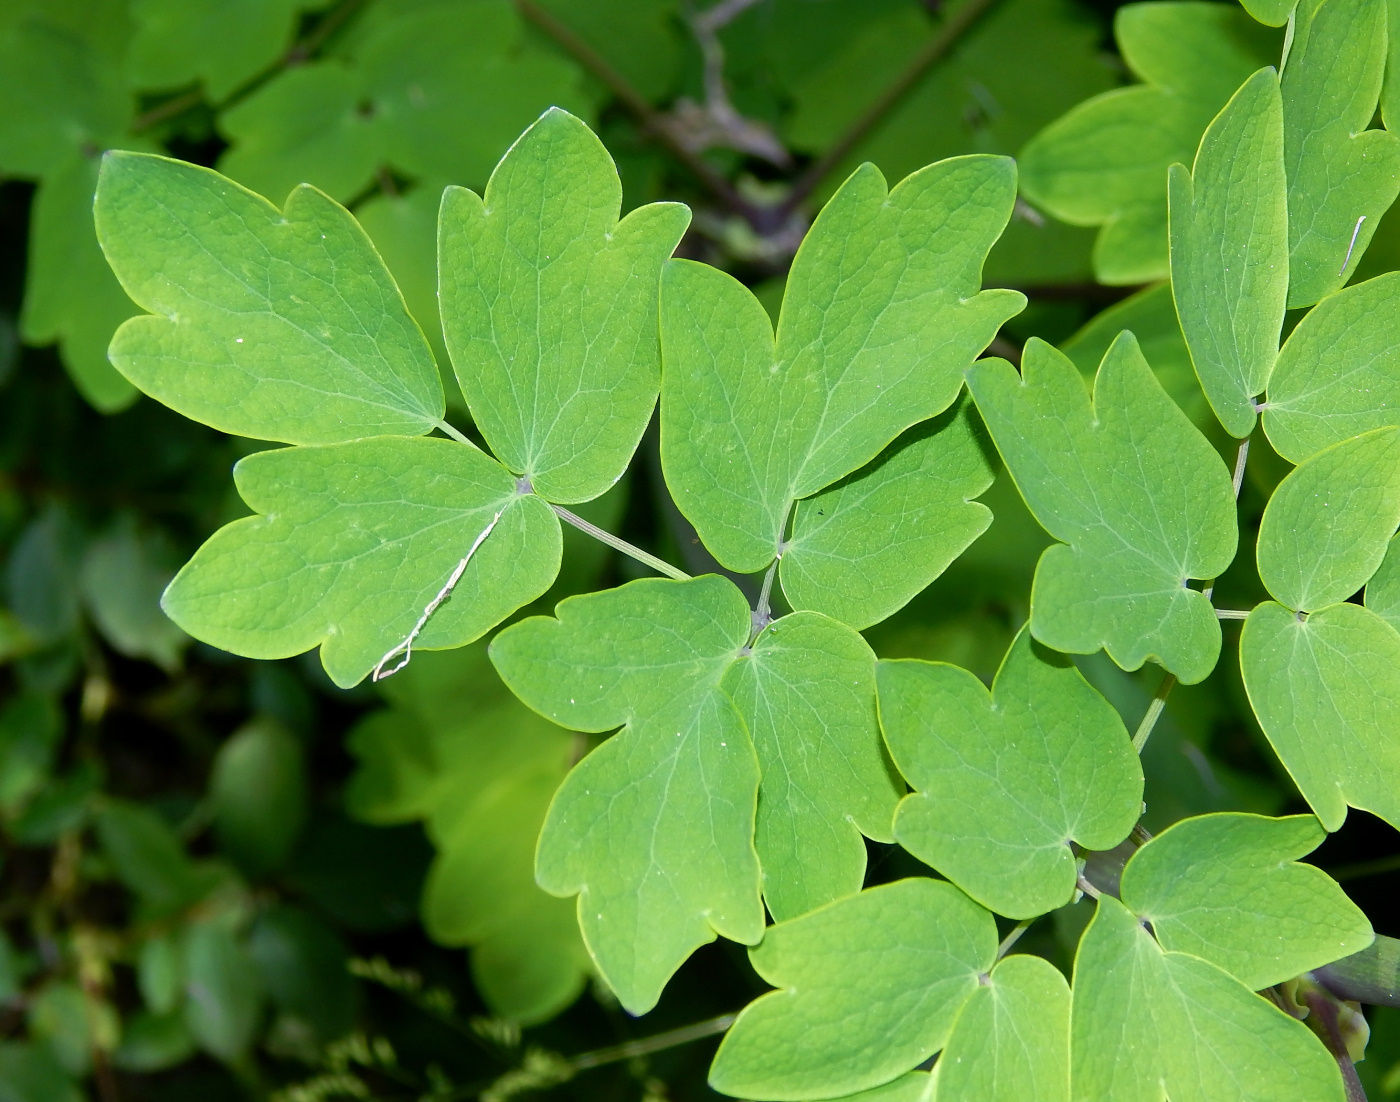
(650, 119)
(959, 23)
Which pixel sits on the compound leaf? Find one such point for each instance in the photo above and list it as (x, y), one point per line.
(1005, 780)
(807, 693)
(275, 325)
(862, 548)
(1147, 1025)
(1105, 162)
(654, 829)
(1338, 374)
(1227, 888)
(1327, 526)
(1011, 1041)
(880, 318)
(549, 308)
(1229, 250)
(177, 42)
(870, 988)
(1341, 176)
(352, 543)
(1138, 497)
(1326, 689)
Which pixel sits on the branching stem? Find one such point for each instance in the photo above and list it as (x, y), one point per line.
(619, 544)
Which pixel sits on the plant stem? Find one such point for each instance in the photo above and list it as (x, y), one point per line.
(456, 435)
(1365, 868)
(1154, 711)
(1013, 937)
(647, 1045)
(637, 105)
(618, 544)
(1232, 614)
(1324, 1021)
(959, 23)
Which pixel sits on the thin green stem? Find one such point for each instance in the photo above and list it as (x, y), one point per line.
(456, 434)
(618, 544)
(959, 23)
(629, 1050)
(1232, 614)
(1087, 888)
(1360, 869)
(1013, 937)
(1154, 711)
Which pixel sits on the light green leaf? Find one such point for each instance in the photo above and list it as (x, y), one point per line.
(70, 294)
(1140, 499)
(153, 1043)
(1011, 1041)
(1341, 176)
(257, 791)
(862, 548)
(223, 993)
(1326, 689)
(276, 325)
(654, 829)
(1105, 162)
(1338, 374)
(1390, 90)
(458, 750)
(1151, 316)
(917, 1086)
(881, 316)
(160, 973)
(180, 41)
(1004, 781)
(57, 1017)
(1327, 526)
(1147, 1025)
(1273, 13)
(549, 308)
(807, 695)
(353, 542)
(871, 987)
(1227, 888)
(527, 958)
(1229, 250)
(123, 574)
(1383, 590)
(29, 1073)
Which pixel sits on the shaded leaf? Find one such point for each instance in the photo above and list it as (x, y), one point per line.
(224, 996)
(177, 42)
(124, 572)
(257, 791)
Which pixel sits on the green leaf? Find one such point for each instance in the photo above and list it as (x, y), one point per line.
(180, 41)
(1383, 590)
(29, 1073)
(1326, 689)
(1151, 316)
(58, 1017)
(1338, 374)
(1273, 13)
(70, 294)
(861, 549)
(305, 968)
(1229, 250)
(1105, 162)
(459, 750)
(1011, 1041)
(437, 91)
(31, 728)
(147, 857)
(1390, 90)
(353, 542)
(1227, 888)
(1138, 496)
(881, 316)
(639, 38)
(807, 695)
(276, 325)
(153, 1043)
(123, 574)
(160, 973)
(1341, 176)
(549, 308)
(1005, 781)
(257, 791)
(917, 1086)
(224, 995)
(1327, 526)
(527, 959)
(61, 86)
(871, 987)
(1148, 1025)
(654, 829)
